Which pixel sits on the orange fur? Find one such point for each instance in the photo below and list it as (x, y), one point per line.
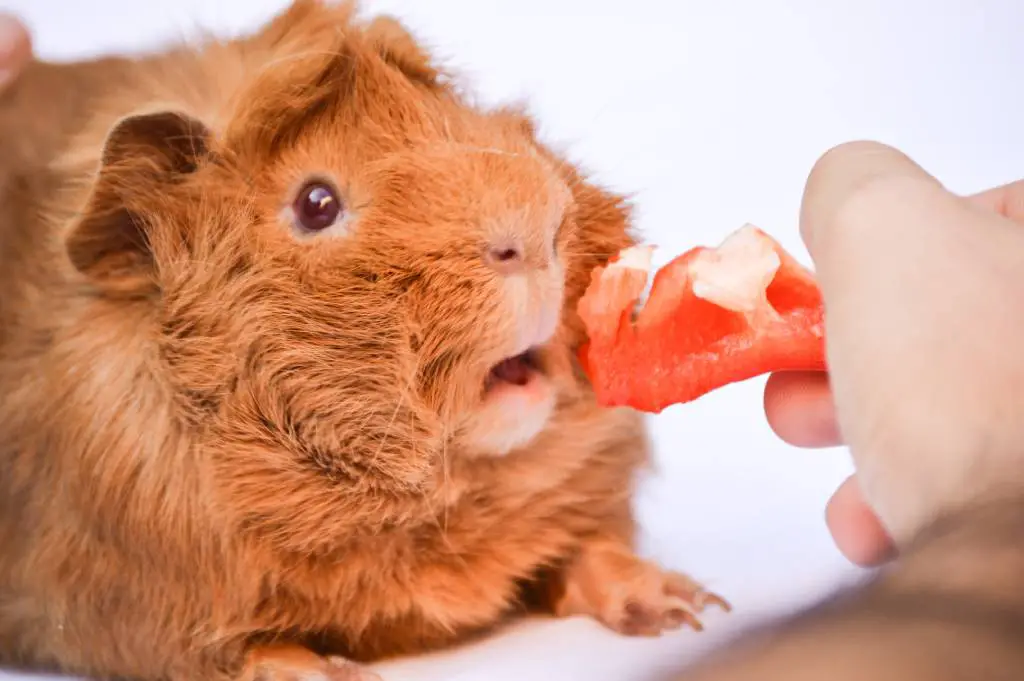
(215, 436)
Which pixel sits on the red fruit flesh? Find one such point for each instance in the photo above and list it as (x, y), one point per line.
(713, 317)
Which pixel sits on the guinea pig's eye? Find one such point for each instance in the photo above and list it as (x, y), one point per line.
(317, 207)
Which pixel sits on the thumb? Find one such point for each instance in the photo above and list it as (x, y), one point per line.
(924, 310)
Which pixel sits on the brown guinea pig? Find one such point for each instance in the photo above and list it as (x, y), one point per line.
(287, 375)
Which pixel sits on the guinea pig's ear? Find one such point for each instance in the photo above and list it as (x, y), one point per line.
(399, 48)
(143, 155)
(304, 24)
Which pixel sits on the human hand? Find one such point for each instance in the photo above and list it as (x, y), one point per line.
(15, 49)
(924, 317)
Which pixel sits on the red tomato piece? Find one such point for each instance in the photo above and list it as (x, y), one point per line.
(714, 316)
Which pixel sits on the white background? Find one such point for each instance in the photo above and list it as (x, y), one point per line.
(712, 114)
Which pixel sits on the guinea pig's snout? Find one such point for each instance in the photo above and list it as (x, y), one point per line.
(534, 297)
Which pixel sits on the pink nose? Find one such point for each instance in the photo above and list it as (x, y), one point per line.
(506, 258)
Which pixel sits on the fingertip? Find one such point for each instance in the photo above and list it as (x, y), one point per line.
(856, 530)
(15, 47)
(820, 190)
(798, 406)
(1006, 200)
(843, 172)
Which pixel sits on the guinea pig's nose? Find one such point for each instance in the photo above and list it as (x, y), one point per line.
(506, 257)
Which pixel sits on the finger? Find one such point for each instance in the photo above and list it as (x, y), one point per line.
(1007, 200)
(842, 174)
(856, 530)
(15, 48)
(799, 409)
(922, 302)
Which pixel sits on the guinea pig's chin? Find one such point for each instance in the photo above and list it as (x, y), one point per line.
(511, 414)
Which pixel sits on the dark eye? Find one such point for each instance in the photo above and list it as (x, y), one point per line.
(317, 207)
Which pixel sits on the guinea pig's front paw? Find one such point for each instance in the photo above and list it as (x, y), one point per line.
(294, 663)
(631, 596)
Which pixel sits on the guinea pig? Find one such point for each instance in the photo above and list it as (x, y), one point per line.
(287, 366)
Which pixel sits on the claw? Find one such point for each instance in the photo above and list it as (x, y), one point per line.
(714, 599)
(684, 604)
(677, 618)
(632, 596)
(694, 593)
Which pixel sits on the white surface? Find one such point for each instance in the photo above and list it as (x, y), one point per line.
(712, 113)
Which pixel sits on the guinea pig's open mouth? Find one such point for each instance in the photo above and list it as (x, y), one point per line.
(516, 371)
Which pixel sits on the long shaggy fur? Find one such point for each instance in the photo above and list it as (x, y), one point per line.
(214, 435)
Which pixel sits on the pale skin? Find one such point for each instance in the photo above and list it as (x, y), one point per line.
(15, 49)
(923, 326)
(868, 207)
(924, 319)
